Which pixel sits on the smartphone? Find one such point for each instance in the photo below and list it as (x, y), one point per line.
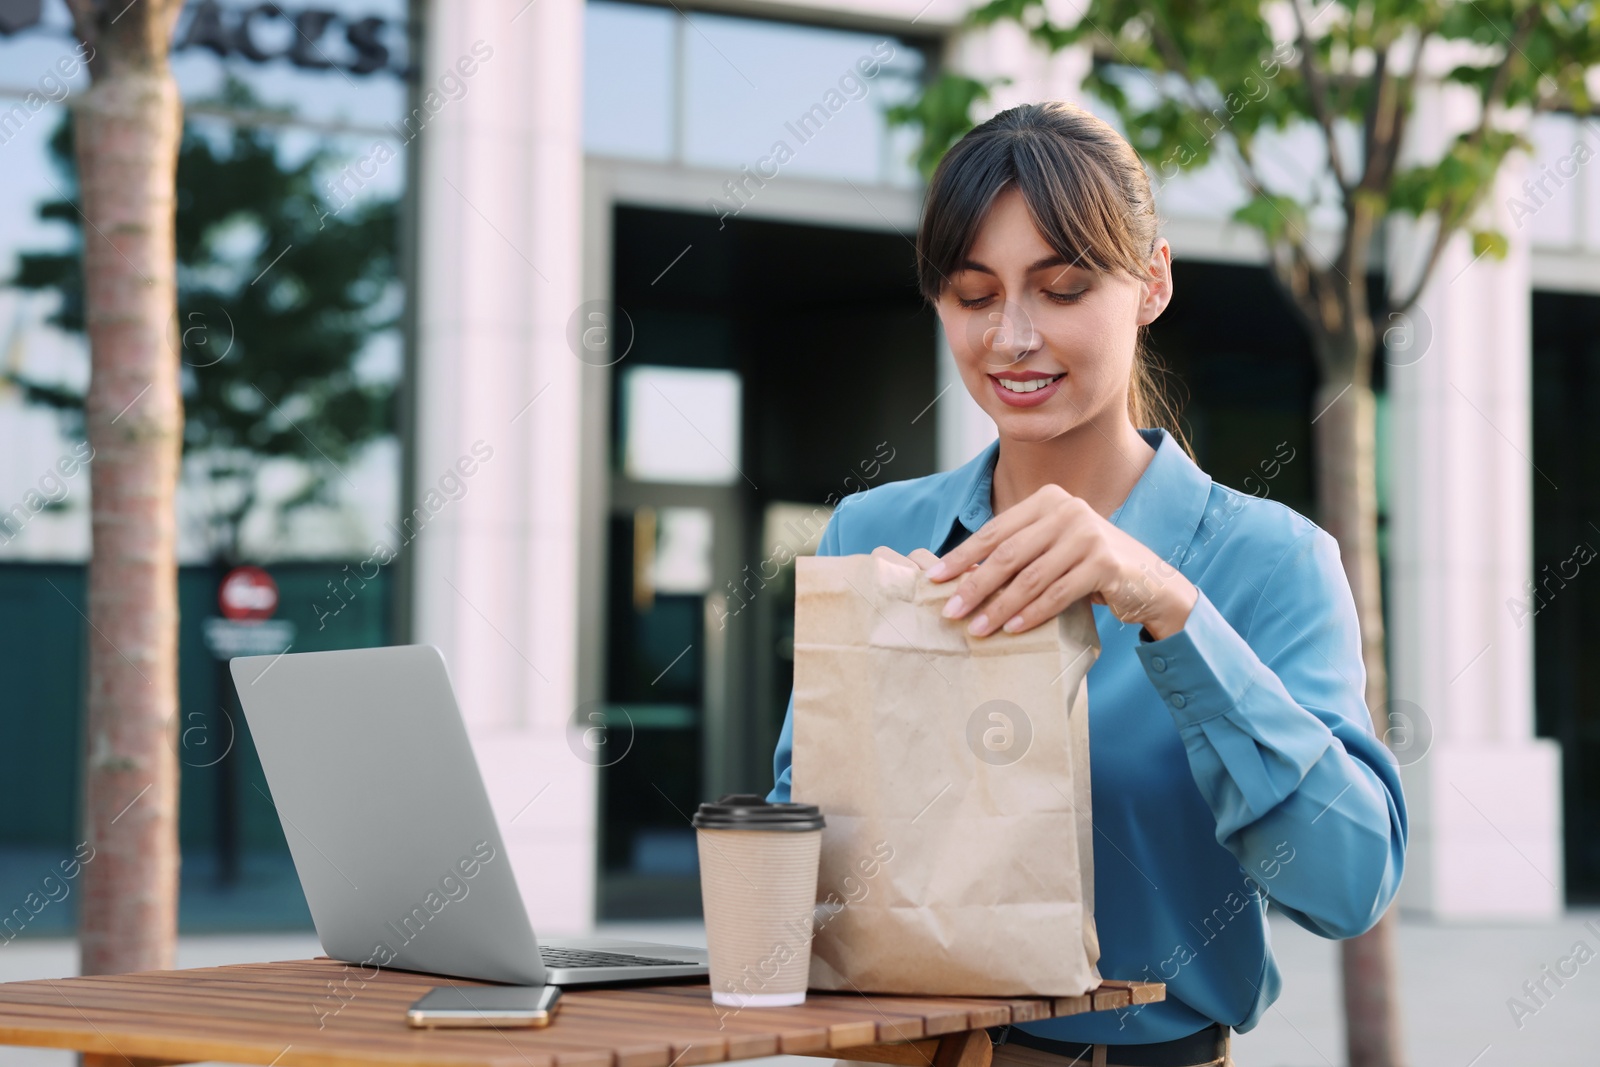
(504, 1005)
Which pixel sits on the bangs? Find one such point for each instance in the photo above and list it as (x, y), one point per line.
(1071, 170)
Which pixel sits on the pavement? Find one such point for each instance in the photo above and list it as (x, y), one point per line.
(1460, 987)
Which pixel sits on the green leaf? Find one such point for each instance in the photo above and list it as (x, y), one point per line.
(1491, 241)
(1276, 217)
(943, 113)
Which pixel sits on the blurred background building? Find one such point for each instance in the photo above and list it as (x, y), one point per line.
(589, 312)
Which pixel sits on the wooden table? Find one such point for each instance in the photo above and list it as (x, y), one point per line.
(323, 1013)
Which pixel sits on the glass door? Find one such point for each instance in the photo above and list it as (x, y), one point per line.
(661, 734)
(778, 368)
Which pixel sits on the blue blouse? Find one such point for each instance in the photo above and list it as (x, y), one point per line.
(1231, 762)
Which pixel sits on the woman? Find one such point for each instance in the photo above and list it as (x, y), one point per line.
(1234, 758)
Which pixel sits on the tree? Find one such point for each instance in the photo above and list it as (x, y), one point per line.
(1192, 82)
(127, 126)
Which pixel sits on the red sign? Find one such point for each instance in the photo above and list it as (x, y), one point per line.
(248, 594)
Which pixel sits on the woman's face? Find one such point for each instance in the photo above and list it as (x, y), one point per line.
(1042, 344)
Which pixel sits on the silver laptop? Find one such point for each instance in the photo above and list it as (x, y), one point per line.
(390, 827)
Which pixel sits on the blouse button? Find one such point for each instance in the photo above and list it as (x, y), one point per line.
(1158, 663)
(1178, 700)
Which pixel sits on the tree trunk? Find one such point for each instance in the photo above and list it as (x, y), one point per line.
(126, 132)
(1345, 441)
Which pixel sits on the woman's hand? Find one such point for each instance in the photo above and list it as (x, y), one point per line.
(1033, 559)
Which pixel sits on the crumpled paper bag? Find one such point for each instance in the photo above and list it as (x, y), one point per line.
(953, 772)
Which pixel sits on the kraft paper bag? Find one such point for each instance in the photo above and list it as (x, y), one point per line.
(953, 772)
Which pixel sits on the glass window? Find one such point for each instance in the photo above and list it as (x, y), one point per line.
(290, 179)
(681, 425)
(790, 99)
(726, 92)
(1548, 204)
(682, 561)
(312, 104)
(628, 80)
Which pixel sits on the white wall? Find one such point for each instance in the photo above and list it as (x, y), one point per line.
(1485, 794)
(495, 571)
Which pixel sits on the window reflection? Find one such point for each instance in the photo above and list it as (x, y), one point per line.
(727, 92)
(628, 80)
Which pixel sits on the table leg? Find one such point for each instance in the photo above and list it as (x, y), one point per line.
(970, 1048)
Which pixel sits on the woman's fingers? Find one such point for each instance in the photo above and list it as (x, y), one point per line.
(1008, 558)
(919, 557)
(1053, 601)
(1028, 587)
(977, 548)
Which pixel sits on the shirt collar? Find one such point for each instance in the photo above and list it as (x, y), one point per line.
(967, 501)
(1162, 511)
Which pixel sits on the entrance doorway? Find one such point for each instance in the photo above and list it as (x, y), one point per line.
(1566, 596)
(775, 368)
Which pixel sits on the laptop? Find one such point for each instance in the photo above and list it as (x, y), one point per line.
(390, 828)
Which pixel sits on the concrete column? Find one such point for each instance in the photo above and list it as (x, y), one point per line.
(495, 558)
(1484, 793)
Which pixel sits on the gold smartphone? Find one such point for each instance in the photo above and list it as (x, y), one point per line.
(506, 1005)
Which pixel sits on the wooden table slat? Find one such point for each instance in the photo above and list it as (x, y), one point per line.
(843, 1023)
(1108, 997)
(799, 1039)
(163, 1043)
(576, 1047)
(292, 1012)
(325, 1013)
(1138, 992)
(276, 1036)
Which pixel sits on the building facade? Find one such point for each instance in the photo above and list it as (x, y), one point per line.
(654, 313)
(526, 227)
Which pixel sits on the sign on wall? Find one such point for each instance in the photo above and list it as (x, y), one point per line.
(247, 598)
(311, 38)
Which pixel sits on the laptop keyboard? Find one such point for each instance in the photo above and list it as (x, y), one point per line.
(569, 957)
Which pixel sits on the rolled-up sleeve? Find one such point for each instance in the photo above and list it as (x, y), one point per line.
(1281, 743)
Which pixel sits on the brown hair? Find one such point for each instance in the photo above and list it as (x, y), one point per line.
(1088, 194)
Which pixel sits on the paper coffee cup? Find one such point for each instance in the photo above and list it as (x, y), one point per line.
(758, 886)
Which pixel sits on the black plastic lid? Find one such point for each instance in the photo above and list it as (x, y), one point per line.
(749, 811)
